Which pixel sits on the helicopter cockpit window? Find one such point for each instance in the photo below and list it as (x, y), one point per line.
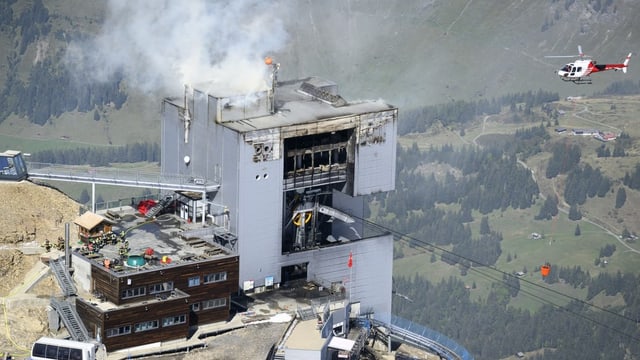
(579, 69)
(566, 68)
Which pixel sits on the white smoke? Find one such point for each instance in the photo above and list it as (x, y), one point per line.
(160, 46)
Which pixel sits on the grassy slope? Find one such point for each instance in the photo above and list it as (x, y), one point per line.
(560, 246)
(420, 52)
(409, 53)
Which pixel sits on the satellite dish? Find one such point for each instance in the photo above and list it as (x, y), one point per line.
(187, 159)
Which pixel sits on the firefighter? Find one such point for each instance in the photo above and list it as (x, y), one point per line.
(47, 245)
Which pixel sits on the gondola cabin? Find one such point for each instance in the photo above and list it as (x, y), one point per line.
(545, 270)
(12, 166)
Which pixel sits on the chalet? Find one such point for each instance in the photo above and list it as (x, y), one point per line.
(92, 225)
(585, 132)
(602, 136)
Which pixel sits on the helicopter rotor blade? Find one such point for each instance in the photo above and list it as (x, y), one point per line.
(561, 56)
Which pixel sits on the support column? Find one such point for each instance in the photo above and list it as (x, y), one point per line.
(204, 206)
(93, 197)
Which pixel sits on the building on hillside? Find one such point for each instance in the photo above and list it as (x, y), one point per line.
(92, 226)
(294, 166)
(606, 136)
(296, 163)
(585, 132)
(165, 283)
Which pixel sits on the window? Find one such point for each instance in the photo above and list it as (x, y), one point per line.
(146, 325)
(52, 352)
(195, 307)
(122, 330)
(217, 277)
(162, 287)
(134, 292)
(174, 320)
(39, 349)
(194, 281)
(56, 352)
(215, 303)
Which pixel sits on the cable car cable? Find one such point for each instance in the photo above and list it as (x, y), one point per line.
(412, 241)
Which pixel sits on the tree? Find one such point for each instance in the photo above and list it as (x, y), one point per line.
(621, 197)
(577, 232)
(574, 213)
(484, 226)
(84, 197)
(549, 209)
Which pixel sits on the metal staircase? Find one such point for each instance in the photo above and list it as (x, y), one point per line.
(166, 201)
(61, 273)
(71, 320)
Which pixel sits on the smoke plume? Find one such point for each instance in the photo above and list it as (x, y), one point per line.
(162, 45)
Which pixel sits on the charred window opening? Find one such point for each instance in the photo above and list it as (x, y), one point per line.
(293, 273)
(317, 159)
(310, 221)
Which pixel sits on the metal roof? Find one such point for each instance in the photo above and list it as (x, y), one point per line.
(295, 105)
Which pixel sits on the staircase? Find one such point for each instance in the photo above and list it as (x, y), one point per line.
(71, 320)
(159, 207)
(61, 273)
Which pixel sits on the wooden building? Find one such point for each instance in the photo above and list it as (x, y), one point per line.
(162, 302)
(166, 284)
(91, 225)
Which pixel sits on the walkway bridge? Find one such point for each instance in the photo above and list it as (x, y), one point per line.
(421, 337)
(120, 177)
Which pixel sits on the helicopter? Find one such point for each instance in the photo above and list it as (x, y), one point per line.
(580, 70)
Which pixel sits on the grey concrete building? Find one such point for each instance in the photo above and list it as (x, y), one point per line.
(295, 163)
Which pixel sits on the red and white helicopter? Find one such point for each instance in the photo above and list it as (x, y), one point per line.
(579, 71)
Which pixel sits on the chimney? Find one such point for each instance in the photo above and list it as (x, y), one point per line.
(274, 82)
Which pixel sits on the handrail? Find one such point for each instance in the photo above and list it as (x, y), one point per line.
(424, 337)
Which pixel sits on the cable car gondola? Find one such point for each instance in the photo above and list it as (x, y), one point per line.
(545, 270)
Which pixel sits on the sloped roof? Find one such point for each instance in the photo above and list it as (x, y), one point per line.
(89, 220)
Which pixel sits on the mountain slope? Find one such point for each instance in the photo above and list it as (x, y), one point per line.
(410, 53)
(413, 53)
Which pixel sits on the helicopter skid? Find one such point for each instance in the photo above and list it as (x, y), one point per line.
(578, 81)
